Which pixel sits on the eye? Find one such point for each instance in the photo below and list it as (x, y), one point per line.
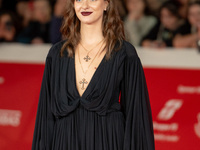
(79, 0)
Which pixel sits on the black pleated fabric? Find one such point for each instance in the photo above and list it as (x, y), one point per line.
(97, 120)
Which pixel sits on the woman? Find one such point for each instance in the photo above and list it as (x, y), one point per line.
(9, 26)
(37, 31)
(183, 8)
(162, 34)
(138, 21)
(56, 21)
(190, 39)
(84, 77)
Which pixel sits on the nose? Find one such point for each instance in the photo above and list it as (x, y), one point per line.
(85, 4)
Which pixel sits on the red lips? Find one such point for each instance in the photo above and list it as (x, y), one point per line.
(86, 13)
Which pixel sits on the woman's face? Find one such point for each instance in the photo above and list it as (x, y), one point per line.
(42, 11)
(90, 11)
(7, 29)
(168, 20)
(135, 5)
(194, 15)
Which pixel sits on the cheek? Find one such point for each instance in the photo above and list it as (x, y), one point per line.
(130, 6)
(99, 7)
(168, 19)
(76, 9)
(173, 20)
(198, 16)
(76, 6)
(163, 19)
(167, 22)
(141, 6)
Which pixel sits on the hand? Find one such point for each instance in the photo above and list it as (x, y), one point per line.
(37, 40)
(153, 44)
(158, 44)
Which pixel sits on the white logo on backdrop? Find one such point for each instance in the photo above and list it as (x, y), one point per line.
(164, 137)
(161, 130)
(163, 127)
(197, 126)
(10, 117)
(188, 89)
(2, 80)
(169, 109)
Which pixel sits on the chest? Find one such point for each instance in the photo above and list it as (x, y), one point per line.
(103, 76)
(86, 65)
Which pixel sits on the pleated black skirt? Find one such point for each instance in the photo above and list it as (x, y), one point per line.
(86, 130)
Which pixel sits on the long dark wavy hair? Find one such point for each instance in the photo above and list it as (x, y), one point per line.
(112, 29)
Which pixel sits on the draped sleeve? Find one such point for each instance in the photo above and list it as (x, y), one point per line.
(136, 105)
(44, 119)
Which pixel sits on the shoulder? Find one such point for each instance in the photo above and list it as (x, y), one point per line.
(129, 53)
(151, 21)
(55, 49)
(150, 18)
(129, 49)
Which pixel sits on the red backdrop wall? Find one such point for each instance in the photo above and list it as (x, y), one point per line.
(174, 96)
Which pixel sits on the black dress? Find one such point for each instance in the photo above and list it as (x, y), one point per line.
(97, 120)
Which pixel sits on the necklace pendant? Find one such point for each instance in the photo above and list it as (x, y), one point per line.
(87, 58)
(83, 82)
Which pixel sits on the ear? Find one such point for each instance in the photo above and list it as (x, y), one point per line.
(105, 4)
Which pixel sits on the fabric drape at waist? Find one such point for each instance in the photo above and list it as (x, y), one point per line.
(65, 110)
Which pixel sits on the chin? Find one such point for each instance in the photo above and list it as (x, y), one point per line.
(88, 22)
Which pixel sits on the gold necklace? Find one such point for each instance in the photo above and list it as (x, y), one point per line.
(87, 57)
(84, 81)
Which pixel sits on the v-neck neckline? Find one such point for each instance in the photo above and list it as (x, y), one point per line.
(91, 80)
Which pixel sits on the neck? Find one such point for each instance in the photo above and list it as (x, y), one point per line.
(91, 34)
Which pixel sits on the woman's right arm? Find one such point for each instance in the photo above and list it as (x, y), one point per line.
(184, 41)
(44, 124)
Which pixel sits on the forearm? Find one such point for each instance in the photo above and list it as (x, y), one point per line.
(147, 43)
(185, 41)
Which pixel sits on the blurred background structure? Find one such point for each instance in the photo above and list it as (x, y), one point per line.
(148, 23)
(166, 34)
